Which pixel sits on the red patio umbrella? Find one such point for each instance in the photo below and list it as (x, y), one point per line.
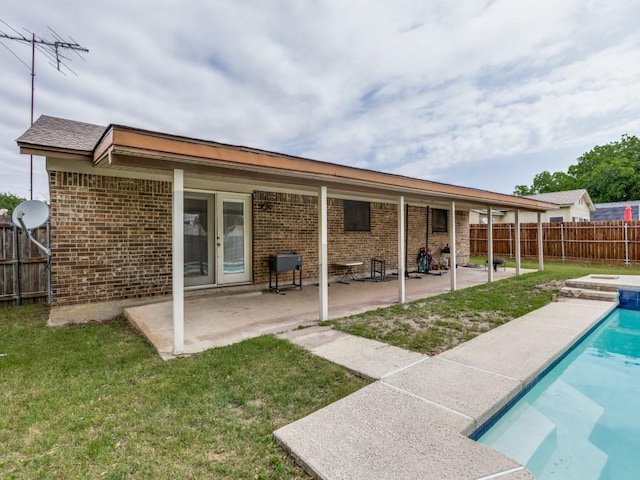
(627, 213)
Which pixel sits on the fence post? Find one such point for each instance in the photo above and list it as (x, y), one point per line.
(16, 266)
(48, 263)
(562, 239)
(510, 243)
(626, 244)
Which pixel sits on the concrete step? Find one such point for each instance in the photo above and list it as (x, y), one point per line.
(589, 294)
(591, 285)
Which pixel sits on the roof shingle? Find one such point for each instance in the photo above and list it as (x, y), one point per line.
(566, 198)
(61, 133)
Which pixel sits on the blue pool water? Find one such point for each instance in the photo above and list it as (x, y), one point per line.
(582, 419)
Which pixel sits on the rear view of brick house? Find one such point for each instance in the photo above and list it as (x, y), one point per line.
(126, 203)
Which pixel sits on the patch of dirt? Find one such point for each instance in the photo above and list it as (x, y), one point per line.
(552, 286)
(218, 457)
(455, 330)
(257, 402)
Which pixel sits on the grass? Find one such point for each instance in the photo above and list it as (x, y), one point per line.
(435, 324)
(97, 402)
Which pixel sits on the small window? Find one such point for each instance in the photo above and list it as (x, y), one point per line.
(439, 220)
(556, 219)
(357, 216)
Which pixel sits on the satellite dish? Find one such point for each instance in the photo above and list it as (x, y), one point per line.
(29, 215)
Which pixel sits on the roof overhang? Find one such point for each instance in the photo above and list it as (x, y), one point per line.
(126, 148)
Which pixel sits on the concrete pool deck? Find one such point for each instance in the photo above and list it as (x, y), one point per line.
(413, 422)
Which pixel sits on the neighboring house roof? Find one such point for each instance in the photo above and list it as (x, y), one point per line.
(615, 211)
(494, 213)
(565, 198)
(64, 134)
(128, 148)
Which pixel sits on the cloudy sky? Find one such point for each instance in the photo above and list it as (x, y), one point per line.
(481, 93)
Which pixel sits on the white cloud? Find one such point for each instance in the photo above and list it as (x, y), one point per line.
(414, 87)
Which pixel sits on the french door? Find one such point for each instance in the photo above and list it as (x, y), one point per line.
(217, 239)
(233, 238)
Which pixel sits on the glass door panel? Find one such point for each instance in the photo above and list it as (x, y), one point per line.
(233, 238)
(198, 240)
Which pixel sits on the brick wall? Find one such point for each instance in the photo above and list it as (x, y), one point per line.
(110, 237)
(438, 240)
(284, 222)
(289, 223)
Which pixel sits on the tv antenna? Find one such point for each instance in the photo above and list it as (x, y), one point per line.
(53, 49)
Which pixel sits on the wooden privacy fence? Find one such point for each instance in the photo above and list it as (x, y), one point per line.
(600, 242)
(24, 272)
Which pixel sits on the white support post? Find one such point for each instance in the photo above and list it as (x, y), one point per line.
(323, 268)
(540, 244)
(401, 252)
(517, 240)
(177, 261)
(490, 244)
(452, 247)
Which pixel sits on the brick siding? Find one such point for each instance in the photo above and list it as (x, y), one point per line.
(110, 238)
(289, 223)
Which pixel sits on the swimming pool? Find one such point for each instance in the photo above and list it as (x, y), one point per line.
(582, 419)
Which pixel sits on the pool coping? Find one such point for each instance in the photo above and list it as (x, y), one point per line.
(476, 434)
(452, 395)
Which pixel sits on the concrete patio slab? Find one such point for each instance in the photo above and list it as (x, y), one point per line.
(380, 432)
(449, 384)
(523, 347)
(213, 321)
(364, 356)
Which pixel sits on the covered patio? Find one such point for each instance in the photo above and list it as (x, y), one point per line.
(138, 215)
(215, 320)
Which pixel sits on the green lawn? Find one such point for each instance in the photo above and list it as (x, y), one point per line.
(96, 401)
(438, 323)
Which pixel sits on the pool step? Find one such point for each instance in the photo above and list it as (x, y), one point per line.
(589, 294)
(529, 438)
(569, 409)
(587, 464)
(575, 416)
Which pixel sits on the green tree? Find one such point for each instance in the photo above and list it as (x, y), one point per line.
(10, 201)
(546, 182)
(613, 181)
(610, 173)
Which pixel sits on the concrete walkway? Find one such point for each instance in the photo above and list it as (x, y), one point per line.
(414, 421)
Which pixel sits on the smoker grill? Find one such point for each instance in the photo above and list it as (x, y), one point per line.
(284, 262)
